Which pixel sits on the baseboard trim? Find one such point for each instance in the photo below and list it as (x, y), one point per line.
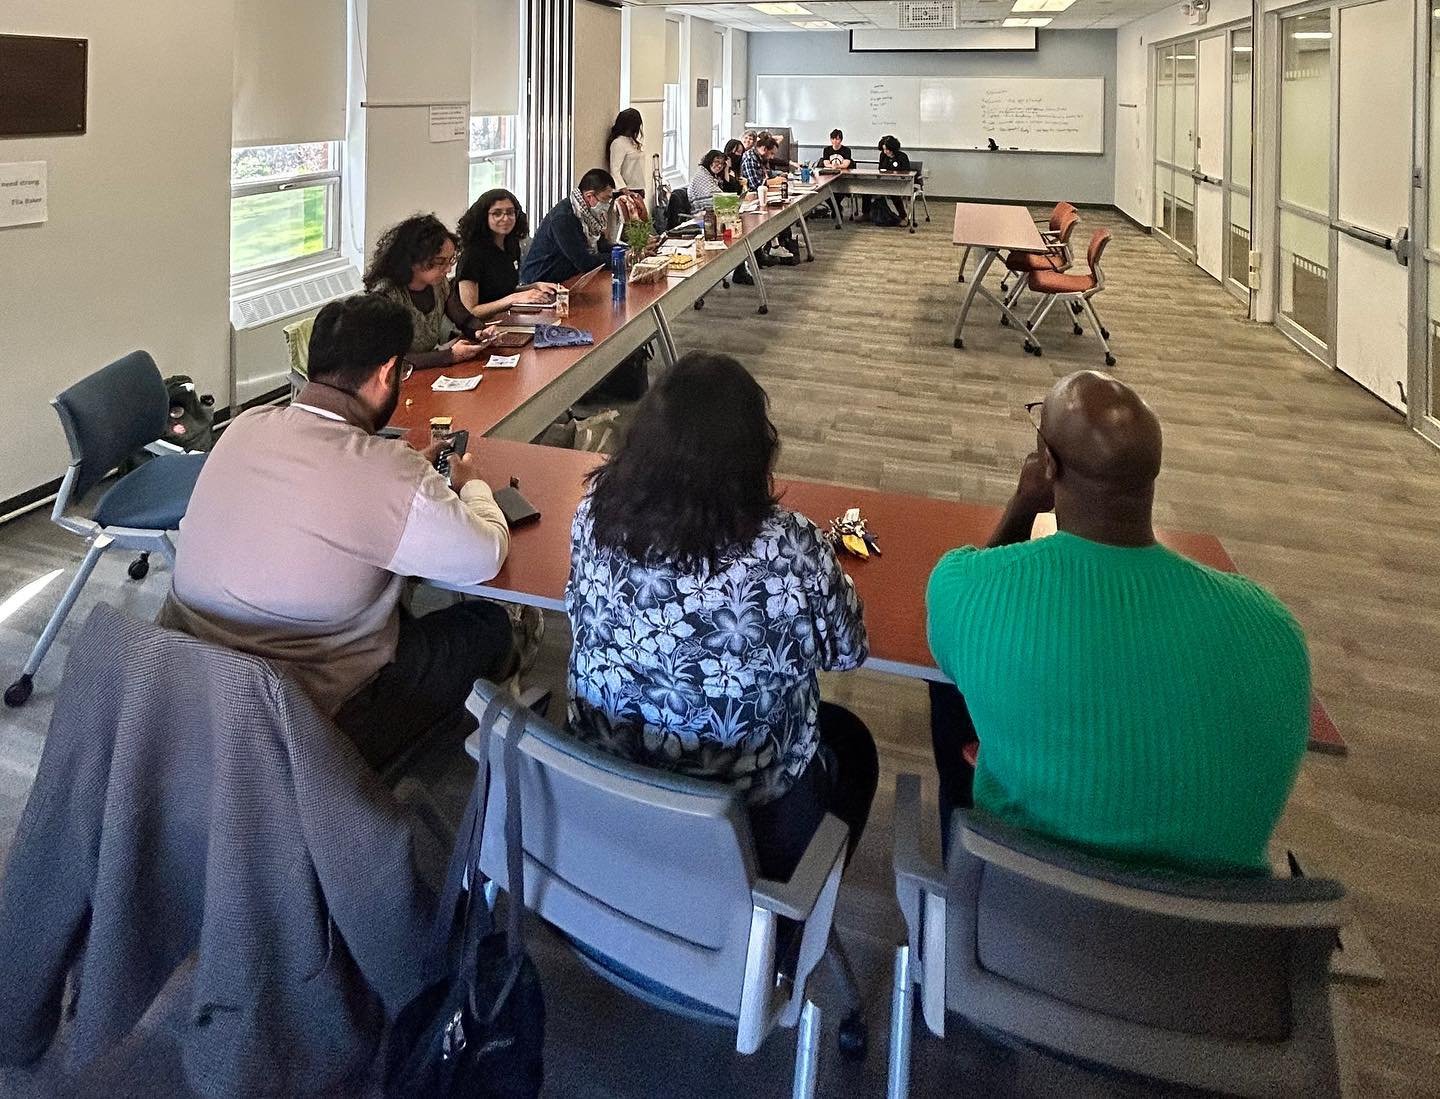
(28, 501)
(1143, 228)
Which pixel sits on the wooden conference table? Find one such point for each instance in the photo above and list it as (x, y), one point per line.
(992, 229)
(912, 531)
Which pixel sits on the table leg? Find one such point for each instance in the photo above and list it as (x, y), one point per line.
(986, 259)
(667, 338)
(912, 208)
(805, 236)
(835, 209)
(755, 273)
(964, 259)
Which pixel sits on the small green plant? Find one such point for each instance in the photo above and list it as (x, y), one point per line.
(638, 233)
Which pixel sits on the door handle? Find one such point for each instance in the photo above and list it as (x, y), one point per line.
(1366, 236)
(1403, 247)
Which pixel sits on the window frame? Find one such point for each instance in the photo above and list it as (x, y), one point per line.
(333, 181)
(671, 129)
(505, 155)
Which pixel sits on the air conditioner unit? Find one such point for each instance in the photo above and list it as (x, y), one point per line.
(259, 359)
(928, 15)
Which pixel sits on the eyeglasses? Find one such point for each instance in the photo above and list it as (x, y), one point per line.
(503, 212)
(441, 263)
(1035, 409)
(406, 369)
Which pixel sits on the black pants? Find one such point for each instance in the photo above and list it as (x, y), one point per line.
(437, 660)
(950, 730)
(840, 779)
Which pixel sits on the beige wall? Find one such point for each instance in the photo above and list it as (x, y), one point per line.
(136, 253)
(597, 82)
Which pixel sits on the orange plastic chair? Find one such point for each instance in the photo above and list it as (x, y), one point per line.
(1075, 290)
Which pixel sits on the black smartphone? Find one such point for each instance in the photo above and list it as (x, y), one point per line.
(455, 443)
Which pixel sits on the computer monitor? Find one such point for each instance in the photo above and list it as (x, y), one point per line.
(786, 150)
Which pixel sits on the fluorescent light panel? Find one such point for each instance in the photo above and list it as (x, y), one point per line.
(782, 9)
(1041, 5)
(815, 25)
(1027, 22)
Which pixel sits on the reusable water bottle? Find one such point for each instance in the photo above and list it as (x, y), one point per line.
(617, 273)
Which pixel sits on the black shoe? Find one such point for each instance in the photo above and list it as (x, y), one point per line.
(766, 259)
(785, 261)
(741, 277)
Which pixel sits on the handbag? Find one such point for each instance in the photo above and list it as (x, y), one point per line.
(478, 1032)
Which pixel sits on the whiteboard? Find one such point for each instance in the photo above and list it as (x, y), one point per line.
(1051, 115)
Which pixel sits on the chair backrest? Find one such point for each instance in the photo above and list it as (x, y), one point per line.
(1212, 983)
(918, 167)
(110, 415)
(297, 342)
(1099, 240)
(1058, 214)
(1069, 218)
(680, 206)
(646, 869)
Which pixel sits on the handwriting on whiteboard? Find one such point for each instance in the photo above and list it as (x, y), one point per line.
(1004, 112)
(883, 113)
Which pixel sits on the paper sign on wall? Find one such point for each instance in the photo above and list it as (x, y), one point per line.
(23, 197)
(449, 121)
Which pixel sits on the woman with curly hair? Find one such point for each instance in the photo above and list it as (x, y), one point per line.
(488, 275)
(411, 267)
(701, 611)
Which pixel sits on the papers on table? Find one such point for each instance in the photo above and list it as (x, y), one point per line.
(681, 274)
(502, 362)
(715, 246)
(443, 384)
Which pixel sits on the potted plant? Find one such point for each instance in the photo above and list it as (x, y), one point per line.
(636, 235)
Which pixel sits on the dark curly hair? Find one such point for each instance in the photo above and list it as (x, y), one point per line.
(694, 477)
(418, 238)
(474, 226)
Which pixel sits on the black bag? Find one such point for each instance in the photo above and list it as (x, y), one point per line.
(660, 196)
(479, 1031)
(192, 417)
(882, 215)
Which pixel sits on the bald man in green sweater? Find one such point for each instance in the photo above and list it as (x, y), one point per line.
(1127, 700)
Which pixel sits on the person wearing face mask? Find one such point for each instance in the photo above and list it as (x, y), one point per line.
(305, 523)
(572, 239)
(411, 267)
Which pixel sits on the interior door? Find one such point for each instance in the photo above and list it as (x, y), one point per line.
(1373, 207)
(1209, 171)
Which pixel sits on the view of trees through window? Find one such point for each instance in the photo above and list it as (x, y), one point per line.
(273, 221)
(492, 152)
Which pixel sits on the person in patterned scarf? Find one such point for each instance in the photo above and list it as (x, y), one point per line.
(702, 610)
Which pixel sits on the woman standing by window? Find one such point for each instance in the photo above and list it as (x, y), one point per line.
(627, 154)
(488, 275)
(411, 267)
(702, 610)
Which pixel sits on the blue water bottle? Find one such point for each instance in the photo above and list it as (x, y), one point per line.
(804, 173)
(617, 272)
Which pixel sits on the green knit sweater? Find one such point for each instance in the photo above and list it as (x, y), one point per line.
(1129, 701)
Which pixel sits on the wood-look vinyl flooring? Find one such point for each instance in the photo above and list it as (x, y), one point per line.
(1316, 488)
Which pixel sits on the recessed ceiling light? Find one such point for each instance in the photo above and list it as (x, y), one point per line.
(1026, 22)
(781, 9)
(1311, 35)
(816, 25)
(1041, 5)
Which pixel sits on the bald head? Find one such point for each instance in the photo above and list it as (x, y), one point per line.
(1102, 432)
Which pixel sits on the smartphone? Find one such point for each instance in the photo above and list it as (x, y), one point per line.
(455, 443)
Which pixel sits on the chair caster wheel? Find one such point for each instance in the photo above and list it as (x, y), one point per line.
(1029, 326)
(1004, 321)
(1075, 308)
(140, 567)
(960, 345)
(854, 1037)
(18, 693)
(763, 310)
(700, 304)
(1105, 333)
(1034, 349)
(1077, 330)
(1109, 360)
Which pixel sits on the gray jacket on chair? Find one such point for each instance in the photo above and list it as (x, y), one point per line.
(192, 800)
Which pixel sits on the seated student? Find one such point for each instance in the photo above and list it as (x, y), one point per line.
(838, 154)
(701, 610)
(1127, 700)
(411, 267)
(756, 168)
(734, 178)
(305, 523)
(488, 275)
(571, 240)
(892, 159)
(709, 179)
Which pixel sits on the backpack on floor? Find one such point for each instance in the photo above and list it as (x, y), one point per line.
(882, 215)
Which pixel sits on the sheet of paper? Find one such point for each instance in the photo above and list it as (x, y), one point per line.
(685, 274)
(715, 246)
(443, 384)
(23, 193)
(502, 362)
(449, 121)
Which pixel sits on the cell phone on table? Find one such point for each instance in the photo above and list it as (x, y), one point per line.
(455, 443)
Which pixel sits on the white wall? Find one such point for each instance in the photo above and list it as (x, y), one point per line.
(642, 70)
(699, 59)
(1134, 128)
(597, 82)
(737, 77)
(136, 253)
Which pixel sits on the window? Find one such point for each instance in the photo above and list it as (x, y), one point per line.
(670, 131)
(492, 153)
(284, 204)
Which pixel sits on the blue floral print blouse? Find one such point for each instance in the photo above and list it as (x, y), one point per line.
(710, 673)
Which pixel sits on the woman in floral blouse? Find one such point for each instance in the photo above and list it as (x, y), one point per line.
(701, 611)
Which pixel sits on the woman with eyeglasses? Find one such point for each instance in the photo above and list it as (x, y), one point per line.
(488, 275)
(411, 267)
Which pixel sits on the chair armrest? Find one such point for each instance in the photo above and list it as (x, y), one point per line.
(163, 447)
(911, 865)
(795, 899)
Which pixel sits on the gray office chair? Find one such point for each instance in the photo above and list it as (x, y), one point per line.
(919, 167)
(108, 417)
(1204, 983)
(651, 879)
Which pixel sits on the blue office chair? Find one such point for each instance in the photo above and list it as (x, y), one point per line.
(107, 418)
